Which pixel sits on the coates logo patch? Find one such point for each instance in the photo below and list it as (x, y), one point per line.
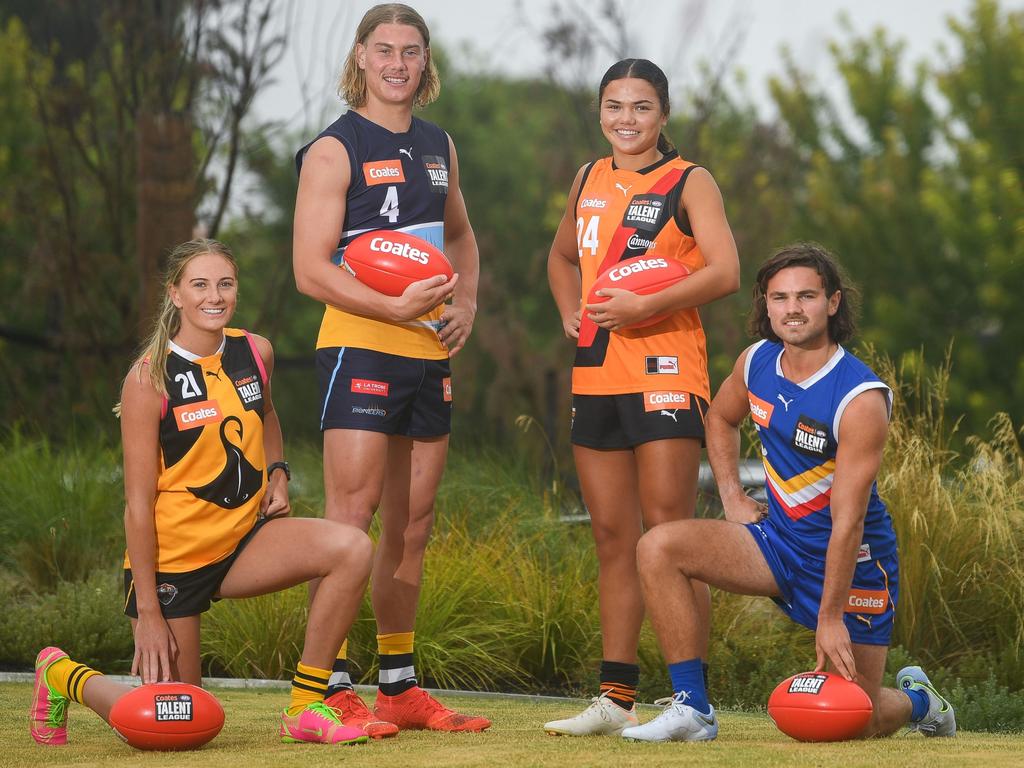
(873, 601)
(661, 364)
(370, 387)
(810, 684)
(810, 437)
(656, 401)
(437, 172)
(170, 707)
(383, 172)
(644, 212)
(446, 388)
(760, 410)
(197, 414)
(593, 202)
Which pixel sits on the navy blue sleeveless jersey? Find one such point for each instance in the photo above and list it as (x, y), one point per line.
(399, 181)
(798, 424)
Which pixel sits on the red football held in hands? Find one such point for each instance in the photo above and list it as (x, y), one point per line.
(819, 706)
(643, 275)
(389, 261)
(167, 716)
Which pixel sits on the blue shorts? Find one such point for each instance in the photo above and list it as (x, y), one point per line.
(871, 603)
(379, 392)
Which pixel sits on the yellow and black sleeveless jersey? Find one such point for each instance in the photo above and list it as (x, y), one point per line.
(212, 466)
(621, 214)
(399, 181)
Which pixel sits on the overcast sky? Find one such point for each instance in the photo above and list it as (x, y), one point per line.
(676, 34)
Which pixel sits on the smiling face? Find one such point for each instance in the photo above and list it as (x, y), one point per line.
(798, 307)
(632, 119)
(206, 294)
(393, 60)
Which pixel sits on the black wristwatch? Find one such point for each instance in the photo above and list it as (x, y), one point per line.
(280, 465)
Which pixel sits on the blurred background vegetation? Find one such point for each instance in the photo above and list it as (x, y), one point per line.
(127, 125)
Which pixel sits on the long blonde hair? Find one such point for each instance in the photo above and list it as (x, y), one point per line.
(167, 322)
(352, 85)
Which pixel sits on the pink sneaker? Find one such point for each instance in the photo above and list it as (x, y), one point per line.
(48, 715)
(318, 724)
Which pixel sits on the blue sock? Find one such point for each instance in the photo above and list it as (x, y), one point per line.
(919, 701)
(688, 677)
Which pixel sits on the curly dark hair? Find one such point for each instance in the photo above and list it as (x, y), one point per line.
(842, 325)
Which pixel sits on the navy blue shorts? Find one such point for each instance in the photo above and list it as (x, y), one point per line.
(870, 606)
(189, 593)
(620, 422)
(379, 392)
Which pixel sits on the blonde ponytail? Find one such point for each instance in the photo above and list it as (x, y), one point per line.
(168, 320)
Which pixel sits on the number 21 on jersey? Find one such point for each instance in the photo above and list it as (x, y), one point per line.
(586, 234)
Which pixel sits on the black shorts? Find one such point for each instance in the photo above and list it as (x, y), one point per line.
(378, 392)
(618, 422)
(189, 593)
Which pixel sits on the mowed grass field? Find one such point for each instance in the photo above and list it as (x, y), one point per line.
(516, 739)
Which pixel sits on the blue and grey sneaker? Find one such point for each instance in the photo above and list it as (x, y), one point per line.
(677, 722)
(940, 719)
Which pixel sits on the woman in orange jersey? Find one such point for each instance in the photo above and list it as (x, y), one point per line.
(639, 395)
(207, 509)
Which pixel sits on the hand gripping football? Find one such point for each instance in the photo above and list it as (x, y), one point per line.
(643, 275)
(390, 261)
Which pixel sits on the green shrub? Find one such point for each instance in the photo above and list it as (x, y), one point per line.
(61, 511)
(84, 618)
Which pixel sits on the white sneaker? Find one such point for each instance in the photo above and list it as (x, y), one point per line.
(940, 719)
(678, 722)
(602, 718)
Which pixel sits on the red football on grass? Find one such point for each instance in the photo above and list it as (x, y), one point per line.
(389, 261)
(643, 275)
(819, 706)
(167, 716)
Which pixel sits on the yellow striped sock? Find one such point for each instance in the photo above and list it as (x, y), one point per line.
(308, 687)
(395, 643)
(68, 678)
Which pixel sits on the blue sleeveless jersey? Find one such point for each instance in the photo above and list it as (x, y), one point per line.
(399, 181)
(797, 425)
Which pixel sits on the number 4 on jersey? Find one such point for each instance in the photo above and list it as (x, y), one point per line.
(390, 207)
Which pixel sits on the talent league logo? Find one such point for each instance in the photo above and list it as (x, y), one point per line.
(172, 707)
(644, 212)
(810, 684)
(437, 172)
(810, 437)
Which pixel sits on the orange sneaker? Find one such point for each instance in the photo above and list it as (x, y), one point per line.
(354, 712)
(416, 710)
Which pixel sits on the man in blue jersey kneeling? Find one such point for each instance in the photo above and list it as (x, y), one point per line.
(824, 548)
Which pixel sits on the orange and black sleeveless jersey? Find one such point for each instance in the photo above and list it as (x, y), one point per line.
(212, 467)
(399, 181)
(621, 214)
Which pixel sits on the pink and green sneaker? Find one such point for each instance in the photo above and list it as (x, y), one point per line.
(48, 716)
(318, 724)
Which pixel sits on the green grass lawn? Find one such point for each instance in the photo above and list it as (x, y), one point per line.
(249, 739)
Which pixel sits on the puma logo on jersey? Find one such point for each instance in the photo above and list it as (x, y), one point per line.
(406, 152)
(671, 414)
(785, 402)
(624, 190)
